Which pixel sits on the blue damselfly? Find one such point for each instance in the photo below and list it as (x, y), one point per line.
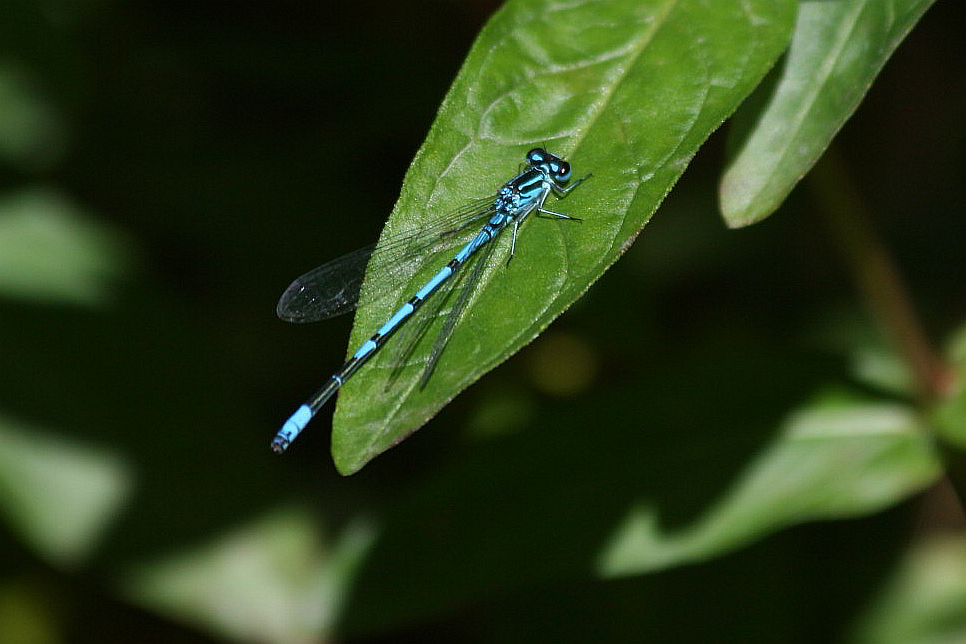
(335, 288)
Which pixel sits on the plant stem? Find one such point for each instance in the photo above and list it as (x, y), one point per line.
(876, 275)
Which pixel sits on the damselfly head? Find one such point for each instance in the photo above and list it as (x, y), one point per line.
(549, 163)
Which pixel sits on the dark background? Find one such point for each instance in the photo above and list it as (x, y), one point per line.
(232, 146)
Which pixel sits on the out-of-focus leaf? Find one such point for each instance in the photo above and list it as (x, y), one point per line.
(827, 463)
(924, 604)
(31, 134)
(50, 251)
(271, 581)
(677, 485)
(949, 415)
(25, 614)
(59, 496)
(836, 52)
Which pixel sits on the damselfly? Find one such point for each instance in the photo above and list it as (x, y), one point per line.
(334, 288)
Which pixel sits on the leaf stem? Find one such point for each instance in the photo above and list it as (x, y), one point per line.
(876, 275)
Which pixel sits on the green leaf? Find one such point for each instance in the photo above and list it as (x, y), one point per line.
(59, 496)
(51, 251)
(836, 52)
(844, 461)
(619, 492)
(924, 602)
(949, 416)
(627, 90)
(31, 132)
(273, 580)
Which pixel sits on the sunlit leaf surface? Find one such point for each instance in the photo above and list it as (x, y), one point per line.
(627, 91)
(837, 50)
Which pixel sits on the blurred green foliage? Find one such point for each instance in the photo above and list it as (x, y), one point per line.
(716, 442)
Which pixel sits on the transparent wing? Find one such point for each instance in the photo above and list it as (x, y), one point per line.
(327, 291)
(409, 338)
(335, 288)
(456, 312)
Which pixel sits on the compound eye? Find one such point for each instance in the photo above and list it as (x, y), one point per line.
(536, 156)
(561, 169)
